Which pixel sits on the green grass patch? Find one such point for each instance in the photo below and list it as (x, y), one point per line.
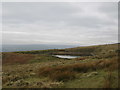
(82, 81)
(44, 58)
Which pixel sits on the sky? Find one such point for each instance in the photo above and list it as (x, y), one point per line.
(64, 23)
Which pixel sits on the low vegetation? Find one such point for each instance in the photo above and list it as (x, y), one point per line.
(70, 70)
(96, 68)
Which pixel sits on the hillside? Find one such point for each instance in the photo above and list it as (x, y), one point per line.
(41, 69)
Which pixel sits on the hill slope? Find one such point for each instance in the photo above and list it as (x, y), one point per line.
(40, 69)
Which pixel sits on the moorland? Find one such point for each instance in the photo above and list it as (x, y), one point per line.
(96, 67)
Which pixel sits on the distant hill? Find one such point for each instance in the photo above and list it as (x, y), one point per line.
(12, 48)
(97, 50)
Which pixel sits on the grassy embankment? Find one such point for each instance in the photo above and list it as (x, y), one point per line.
(96, 68)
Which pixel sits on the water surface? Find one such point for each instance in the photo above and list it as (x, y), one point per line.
(66, 56)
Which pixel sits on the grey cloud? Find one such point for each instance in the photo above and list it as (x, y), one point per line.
(52, 13)
(59, 23)
(110, 8)
(32, 12)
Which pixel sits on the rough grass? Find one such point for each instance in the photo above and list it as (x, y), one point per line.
(13, 58)
(83, 81)
(31, 67)
(59, 71)
(20, 58)
(44, 58)
(111, 79)
(62, 76)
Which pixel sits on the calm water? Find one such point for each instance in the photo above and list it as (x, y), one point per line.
(66, 56)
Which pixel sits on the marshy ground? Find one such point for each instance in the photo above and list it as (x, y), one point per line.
(96, 68)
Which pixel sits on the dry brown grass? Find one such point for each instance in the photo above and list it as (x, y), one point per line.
(62, 76)
(109, 80)
(59, 71)
(80, 58)
(13, 58)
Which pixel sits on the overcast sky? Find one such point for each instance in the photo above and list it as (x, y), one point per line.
(60, 23)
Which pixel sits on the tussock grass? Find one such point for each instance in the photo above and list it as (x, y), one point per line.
(62, 76)
(108, 80)
(111, 80)
(59, 71)
(41, 64)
